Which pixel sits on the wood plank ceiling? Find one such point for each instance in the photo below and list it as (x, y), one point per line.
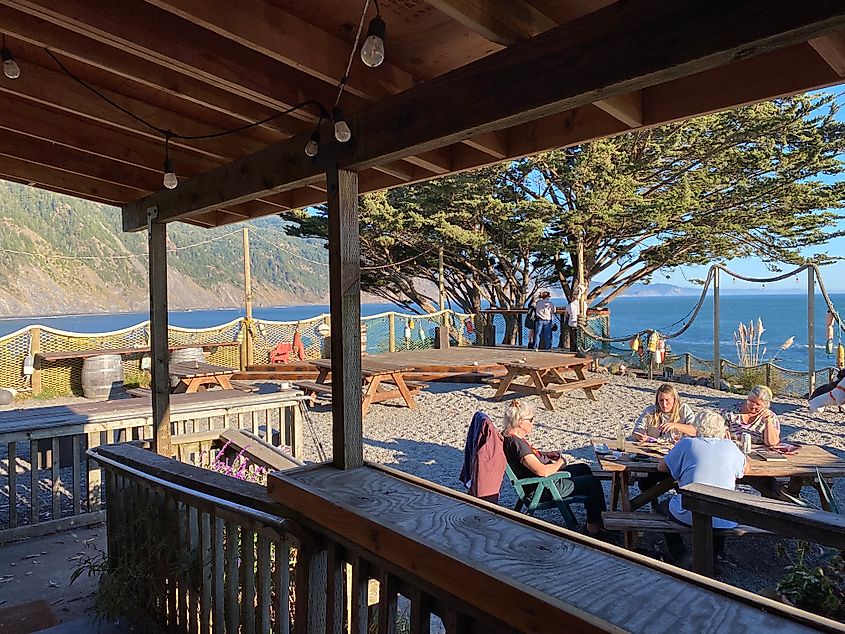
(199, 67)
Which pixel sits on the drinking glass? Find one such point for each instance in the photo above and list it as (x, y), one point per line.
(675, 434)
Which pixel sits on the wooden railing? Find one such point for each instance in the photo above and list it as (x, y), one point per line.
(54, 485)
(349, 551)
(783, 518)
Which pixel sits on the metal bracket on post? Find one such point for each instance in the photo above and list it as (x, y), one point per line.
(152, 214)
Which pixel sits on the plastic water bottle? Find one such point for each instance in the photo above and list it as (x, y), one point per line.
(620, 437)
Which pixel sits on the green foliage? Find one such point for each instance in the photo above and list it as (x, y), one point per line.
(40, 229)
(755, 181)
(813, 588)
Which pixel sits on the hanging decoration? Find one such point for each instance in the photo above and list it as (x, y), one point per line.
(409, 329)
(660, 353)
(469, 325)
(829, 327)
(653, 338)
(840, 356)
(635, 344)
(421, 333)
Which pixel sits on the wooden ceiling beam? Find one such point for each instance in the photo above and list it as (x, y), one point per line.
(55, 89)
(627, 108)
(501, 21)
(167, 40)
(565, 68)
(266, 28)
(831, 47)
(73, 45)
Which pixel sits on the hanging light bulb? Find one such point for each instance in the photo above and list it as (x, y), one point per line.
(10, 66)
(313, 145)
(170, 180)
(341, 130)
(372, 53)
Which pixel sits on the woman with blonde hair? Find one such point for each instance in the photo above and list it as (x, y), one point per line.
(668, 418)
(754, 416)
(527, 462)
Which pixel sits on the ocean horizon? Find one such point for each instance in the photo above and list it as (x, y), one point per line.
(784, 315)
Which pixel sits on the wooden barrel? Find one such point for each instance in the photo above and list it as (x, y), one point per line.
(102, 376)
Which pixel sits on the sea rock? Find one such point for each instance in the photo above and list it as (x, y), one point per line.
(702, 381)
(686, 379)
(6, 396)
(725, 386)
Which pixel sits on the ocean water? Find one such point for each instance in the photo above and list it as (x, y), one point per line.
(783, 315)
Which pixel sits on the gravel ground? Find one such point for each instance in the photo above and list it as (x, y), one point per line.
(428, 442)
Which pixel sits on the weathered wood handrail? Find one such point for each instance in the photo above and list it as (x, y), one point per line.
(48, 446)
(784, 518)
(345, 540)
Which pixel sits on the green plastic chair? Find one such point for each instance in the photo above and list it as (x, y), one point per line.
(534, 501)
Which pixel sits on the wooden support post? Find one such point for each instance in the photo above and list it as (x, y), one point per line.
(248, 344)
(717, 362)
(441, 289)
(345, 297)
(702, 544)
(157, 234)
(391, 332)
(34, 348)
(811, 328)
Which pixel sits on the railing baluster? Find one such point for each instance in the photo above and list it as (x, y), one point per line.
(232, 616)
(334, 589)
(281, 581)
(387, 596)
(264, 596)
(455, 622)
(247, 578)
(194, 567)
(359, 618)
(218, 570)
(94, 475)
(13, 484)
(55, 480)
(420, 612)
(76, 475)
(206, 570)
(33, 477)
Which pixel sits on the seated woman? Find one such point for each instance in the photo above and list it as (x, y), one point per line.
(668, 419)
(754, 417)
(708, 458)
(527, 462)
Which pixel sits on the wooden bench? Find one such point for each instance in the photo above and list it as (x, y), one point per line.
(655, 522)
(777, 516)
(413, 386)
(560, 388)
(145, 392)
(312, 388)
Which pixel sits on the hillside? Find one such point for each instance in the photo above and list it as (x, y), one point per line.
(62, 255)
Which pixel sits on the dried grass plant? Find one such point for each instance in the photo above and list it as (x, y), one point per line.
(750, 347)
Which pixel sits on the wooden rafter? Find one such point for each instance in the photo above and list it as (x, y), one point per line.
(831, 47)
(411, 122)
(500, 21)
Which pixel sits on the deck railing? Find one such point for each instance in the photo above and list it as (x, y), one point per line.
(326, 554)
(54, 486)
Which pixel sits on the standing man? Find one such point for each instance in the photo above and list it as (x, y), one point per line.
(545, 311)
(572, 310)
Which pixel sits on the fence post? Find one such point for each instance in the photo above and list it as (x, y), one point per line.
(811, 327)
(768, 375)
(35, 348)
(687, 363)
(391, 332)
(717, 365)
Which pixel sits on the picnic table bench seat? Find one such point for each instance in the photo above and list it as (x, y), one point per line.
(647, 522)
(326, 388)
(575, 385)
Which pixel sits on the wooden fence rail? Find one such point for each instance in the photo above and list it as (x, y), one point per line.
(54, 486)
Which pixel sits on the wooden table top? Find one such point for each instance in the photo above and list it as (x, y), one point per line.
(369, 367)
(188, 369)
(803, 463)
(546, 361)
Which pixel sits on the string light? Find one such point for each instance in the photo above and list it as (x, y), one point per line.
(341, 129)
(10, 66)
(170, 180)
(372, 53)
(313, 145)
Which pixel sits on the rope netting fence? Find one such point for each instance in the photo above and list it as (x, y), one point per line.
(386, 332)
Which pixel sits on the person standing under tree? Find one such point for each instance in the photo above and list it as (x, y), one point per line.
(572, 311)
(545, 311)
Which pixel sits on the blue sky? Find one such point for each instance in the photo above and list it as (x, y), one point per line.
(833, 275)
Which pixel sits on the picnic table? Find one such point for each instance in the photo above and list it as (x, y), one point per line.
(381, 381)
(642, 458)
(548, 377)
(196, 376)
